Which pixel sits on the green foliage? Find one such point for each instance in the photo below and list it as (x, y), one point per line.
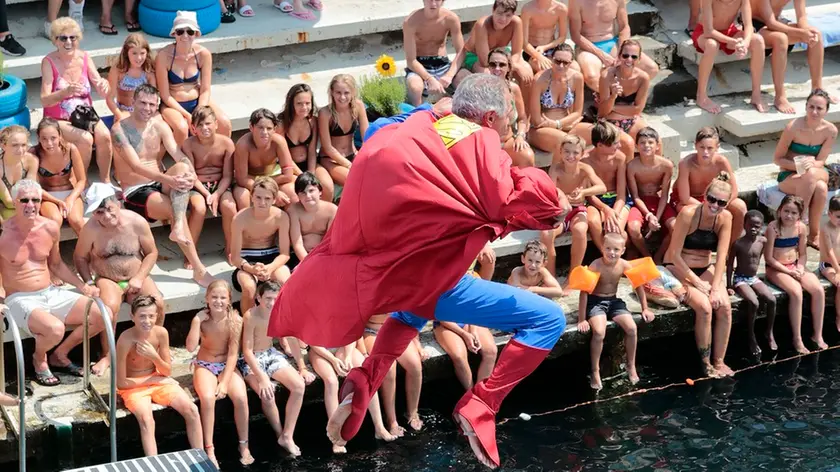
(383, 94)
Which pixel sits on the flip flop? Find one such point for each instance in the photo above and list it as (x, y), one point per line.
(246, 11)
(132, 26)
(71, 369)
(109, 30)
(315, 5)
(284, 6)
(304, 15)
(46, 378)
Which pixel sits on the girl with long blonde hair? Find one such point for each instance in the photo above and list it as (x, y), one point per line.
(337, 125)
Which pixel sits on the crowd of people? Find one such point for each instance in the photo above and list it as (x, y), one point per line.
(275, 186)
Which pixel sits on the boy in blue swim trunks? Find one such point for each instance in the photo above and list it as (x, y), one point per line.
(603, 304)
(608, 212)
(747, 251)
(597, 39)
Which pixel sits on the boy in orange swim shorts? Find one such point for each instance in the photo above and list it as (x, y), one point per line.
(143, 375)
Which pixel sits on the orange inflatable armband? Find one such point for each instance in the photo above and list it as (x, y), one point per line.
(642, 271)
(583, 279)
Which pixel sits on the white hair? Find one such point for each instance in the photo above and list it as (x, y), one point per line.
(479, 94)
(25, 184)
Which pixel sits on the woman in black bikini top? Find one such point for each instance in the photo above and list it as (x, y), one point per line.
(699, 231)
(16, 163)
(298, 126)
(61, 173)
(337, 124)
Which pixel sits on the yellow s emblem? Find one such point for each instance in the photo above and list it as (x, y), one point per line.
(453, 129)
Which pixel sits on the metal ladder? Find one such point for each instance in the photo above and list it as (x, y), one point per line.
(111, 406)
(18, 428)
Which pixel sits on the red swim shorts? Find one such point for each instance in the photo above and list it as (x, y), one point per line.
(731, 32)
(567, 222)
(652, 204)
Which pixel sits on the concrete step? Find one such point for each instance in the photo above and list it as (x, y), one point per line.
(268, 29)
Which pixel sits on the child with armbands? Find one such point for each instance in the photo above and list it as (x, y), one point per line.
(598, 301)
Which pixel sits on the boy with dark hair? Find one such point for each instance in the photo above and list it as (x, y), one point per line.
(602, 304)
(310, 217)
(532, 275)
(747, 252)
(607, 212)
(829, 249)
(143, 375)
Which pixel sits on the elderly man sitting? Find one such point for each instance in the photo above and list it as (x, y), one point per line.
(28, 256)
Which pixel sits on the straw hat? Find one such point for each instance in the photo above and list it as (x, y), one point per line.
(184, 19)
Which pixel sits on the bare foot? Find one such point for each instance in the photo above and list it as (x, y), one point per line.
(832, 98)
(179, 236)
(595, 381)
(339, 449)
(783, 105)
(337, 420)
(475, 444)
(634, 376)
(202, 277)
(799, 347)
(211, 454)
(415, 422)
(771, 340)
(820, 343)
(708, 105)
(711, 371)
(57, 282)
(814, 242)
(288, 444)
(384, 435)
(724, 369)
(758, 103)
(754, 348)
(8, 400)
(245, 457)
(396, 430)
(102, 365)
(187, 264)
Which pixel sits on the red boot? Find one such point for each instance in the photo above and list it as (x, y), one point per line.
(478, 407)
(363, 382)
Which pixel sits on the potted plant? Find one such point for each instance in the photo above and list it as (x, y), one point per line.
(382, 93)
(13, 109)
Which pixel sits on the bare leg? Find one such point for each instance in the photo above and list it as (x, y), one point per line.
(489, 353)
(756, 70)
(290, 379)
(185, 406)
(143, 413)
(811, 284)
(388, 393)
(693, 13)
(751, 304)
(778, 42)
(630, 339)
(579, 229)
(239, 397)
(547, 237)
(455, 348)
(112, 295)
(77, 318)
(770, 309)
(324, 370)
(205, 387)
(704, 72)
(47, 331)
(699, 302)
(104, 151)
(596, 346)
(634, 230)
(738, 209)
(794, 291)
(227, 207)
(816, 58)
(413, 365)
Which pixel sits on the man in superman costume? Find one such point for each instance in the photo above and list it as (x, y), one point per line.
(423, 199)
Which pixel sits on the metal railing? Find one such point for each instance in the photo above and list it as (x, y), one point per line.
(18, 426)
(111, 406)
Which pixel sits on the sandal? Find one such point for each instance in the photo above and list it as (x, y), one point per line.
(227, 17)
(284, 6)
(109, 30)
(71, 369)
(132, 26)
(246, 11)
(46, 378)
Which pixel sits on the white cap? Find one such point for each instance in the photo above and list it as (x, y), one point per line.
(96, 194)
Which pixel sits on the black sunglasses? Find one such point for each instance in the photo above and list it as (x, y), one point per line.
(181, 31)
(63, 38)
(493, 65)
(27, 200)
(716, 201)
(561, 62)
(630, 56)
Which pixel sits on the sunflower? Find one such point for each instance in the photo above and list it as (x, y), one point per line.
(385, 66)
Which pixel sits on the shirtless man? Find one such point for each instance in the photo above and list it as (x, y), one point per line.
(696, 171)
(779, 37)
(262, 152)
(544, 25)
(211, 155)
(575, 181)
(118, 247)
(311, 217)
(592, 26)
(717, 30)
(502, 29)
(28, 255)
(607, 212)
(140, 142)
(259, 245)
(428, 69)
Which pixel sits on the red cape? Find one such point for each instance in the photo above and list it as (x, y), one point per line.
(413, 217)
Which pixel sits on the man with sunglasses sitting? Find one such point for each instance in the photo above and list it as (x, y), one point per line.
(29, 255)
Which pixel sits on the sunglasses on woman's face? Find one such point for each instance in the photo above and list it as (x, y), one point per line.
(630, 56)
(65, 38)
(180, 32)
(561, 62)
(716, 201)
(500, 65)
